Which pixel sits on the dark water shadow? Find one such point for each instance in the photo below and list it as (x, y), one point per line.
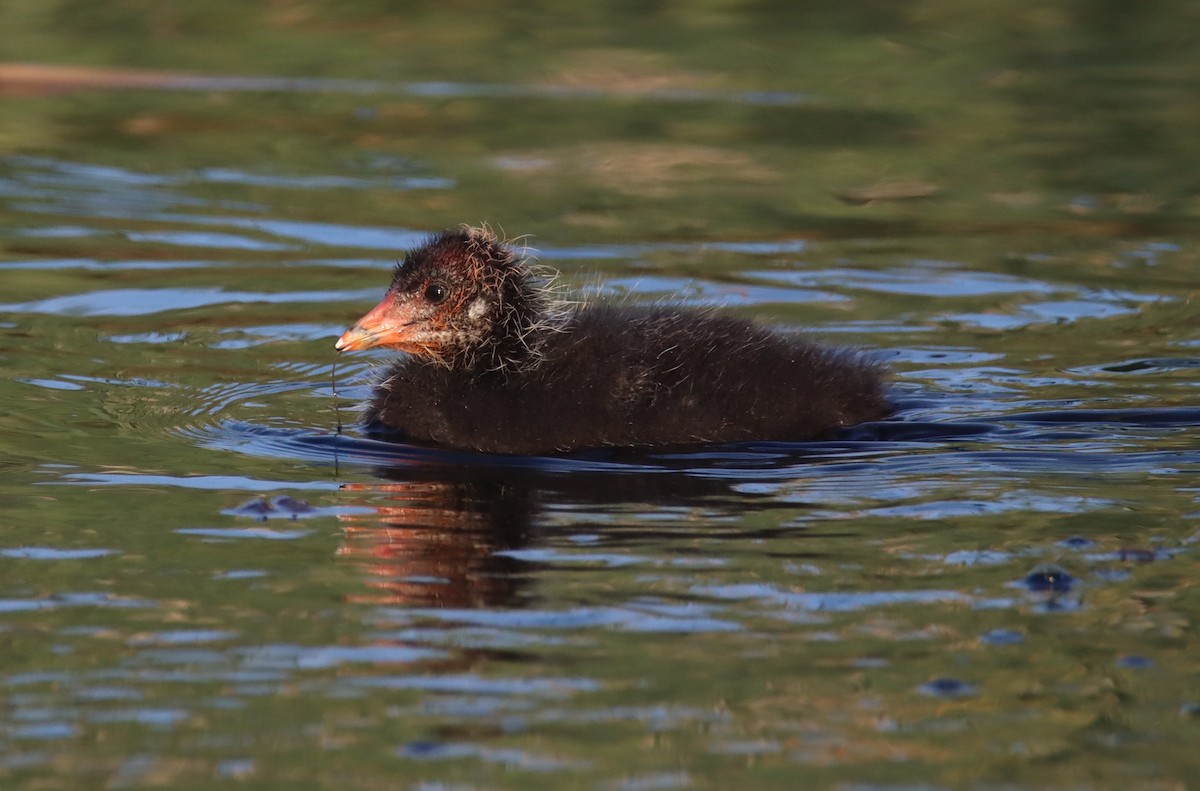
(1071, 440)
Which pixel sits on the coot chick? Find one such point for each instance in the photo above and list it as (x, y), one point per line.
(497, 362)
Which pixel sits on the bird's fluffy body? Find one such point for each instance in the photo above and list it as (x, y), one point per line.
(510, 369)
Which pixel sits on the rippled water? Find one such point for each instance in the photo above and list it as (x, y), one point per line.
(205, 582)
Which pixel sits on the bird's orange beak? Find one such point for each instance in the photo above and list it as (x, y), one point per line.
(387, 324)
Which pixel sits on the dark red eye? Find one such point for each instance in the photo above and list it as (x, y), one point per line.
(435, 293)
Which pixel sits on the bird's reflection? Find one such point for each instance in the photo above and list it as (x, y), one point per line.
(438, 534)
(434, 541)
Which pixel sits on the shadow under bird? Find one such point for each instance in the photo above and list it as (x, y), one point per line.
(497, 361)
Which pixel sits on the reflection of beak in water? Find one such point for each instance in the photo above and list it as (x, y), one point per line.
(434, 544)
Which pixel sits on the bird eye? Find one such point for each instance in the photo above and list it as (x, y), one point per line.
(435, 293)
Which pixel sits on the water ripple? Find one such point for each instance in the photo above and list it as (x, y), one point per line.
(150, 301)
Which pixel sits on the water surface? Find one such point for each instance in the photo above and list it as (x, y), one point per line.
(206, 584)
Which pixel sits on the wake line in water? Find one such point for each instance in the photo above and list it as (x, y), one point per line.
(1159, 416)
(879, 450)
